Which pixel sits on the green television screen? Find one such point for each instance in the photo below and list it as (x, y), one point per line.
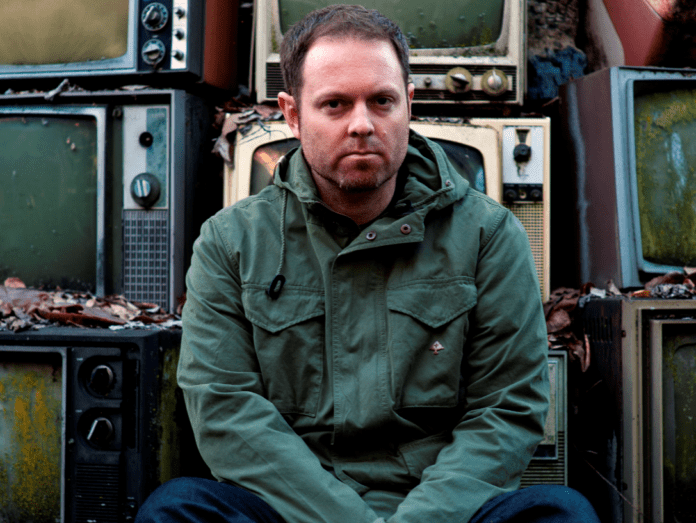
(48, 200)
(466, 23)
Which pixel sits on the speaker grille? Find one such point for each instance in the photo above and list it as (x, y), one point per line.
(532, 217)
(97, 494)
(547, 471)
(145, 256)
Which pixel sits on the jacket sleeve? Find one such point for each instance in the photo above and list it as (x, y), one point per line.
(505, 375)
(241, 435)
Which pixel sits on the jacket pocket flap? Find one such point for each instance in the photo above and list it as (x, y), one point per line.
(434, 302)
(293, 306)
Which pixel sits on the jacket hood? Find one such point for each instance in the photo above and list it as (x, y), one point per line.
(432, 182)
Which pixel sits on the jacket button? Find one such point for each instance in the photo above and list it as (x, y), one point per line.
(448, 183)
(406, 228)
(371, 235)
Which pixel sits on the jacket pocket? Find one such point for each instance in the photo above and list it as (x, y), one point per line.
(428, 325)
(289, 340)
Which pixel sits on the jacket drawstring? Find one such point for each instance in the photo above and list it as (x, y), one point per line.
(276, 286)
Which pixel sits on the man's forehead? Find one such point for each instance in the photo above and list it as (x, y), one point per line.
(358, 61)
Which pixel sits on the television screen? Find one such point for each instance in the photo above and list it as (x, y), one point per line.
(678, 419)
(477, 22)
(48, 199)
(31, 424)
(665, 133)
(38, 32)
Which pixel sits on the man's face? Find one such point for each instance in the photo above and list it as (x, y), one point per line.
(353, 118)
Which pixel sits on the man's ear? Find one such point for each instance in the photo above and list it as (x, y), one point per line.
(291, 112)
(410, 90)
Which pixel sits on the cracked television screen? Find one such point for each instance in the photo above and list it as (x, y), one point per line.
(665, 129)
(476, 23)
(48, 200)
(37, 32)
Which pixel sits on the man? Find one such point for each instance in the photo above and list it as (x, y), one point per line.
(363, 340)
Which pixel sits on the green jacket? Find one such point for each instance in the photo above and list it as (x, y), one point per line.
(402, 371)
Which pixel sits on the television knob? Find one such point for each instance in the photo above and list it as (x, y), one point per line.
(494, 82)
(145, 189)
(522, 152)
(153, 51)
(102, 379)
(155, 16)
(178, 55)
(100, 432)
(458, 80)
(510, 195)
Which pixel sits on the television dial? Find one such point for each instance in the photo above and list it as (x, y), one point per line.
(102, 379)
(145, 189)
(522, 152)
(494, 82)
(153, 51)
(458, 80)
(100, 432)
(154, 16)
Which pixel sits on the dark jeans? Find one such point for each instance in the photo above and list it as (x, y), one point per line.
(196, 500)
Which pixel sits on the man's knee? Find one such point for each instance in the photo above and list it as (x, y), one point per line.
(172, 496)
(562, 500)
(538, 504)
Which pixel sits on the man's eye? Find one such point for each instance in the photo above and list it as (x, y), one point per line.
(333, 104)
(383, 100)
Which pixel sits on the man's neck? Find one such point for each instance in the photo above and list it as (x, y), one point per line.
(361, 207)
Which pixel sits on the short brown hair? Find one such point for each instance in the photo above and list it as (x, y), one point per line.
(336, 21)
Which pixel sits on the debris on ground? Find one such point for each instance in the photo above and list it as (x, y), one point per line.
(24, 308)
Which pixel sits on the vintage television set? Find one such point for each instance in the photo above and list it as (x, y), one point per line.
(629, 134)
(506, 158)
(639, 427)
(91, 423)
(192, 40)
(470, 52)
(98, 191)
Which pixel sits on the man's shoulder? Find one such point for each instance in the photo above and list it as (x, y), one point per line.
(265, 204)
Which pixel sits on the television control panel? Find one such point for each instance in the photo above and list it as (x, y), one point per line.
(163, 34)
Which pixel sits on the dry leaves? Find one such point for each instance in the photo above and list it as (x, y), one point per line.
(23, 309)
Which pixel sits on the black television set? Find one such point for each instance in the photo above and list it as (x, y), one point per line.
(98, 191)
(157, 42)
(91, 422)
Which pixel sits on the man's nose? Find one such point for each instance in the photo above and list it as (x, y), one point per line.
(361, 123)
